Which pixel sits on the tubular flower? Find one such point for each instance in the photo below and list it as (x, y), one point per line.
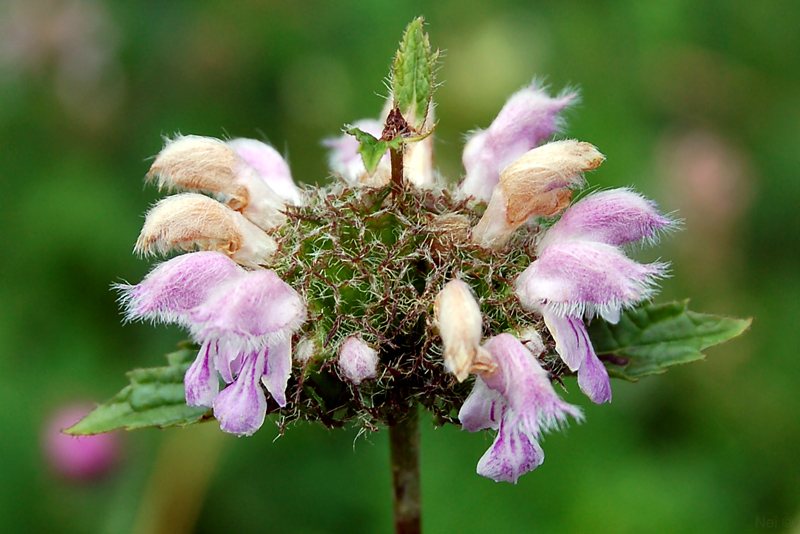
(538, 184)
(232, 171)
(245, 327)
(529, 118)
(581, 272)
(519, 402)
(243, 322)
(242, 319)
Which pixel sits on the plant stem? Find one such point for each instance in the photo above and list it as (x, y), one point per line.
(396, 159)
(404, 446)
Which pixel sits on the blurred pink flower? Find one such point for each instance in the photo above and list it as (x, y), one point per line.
(78, 458)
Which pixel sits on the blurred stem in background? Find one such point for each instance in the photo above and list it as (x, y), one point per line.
(179, 481)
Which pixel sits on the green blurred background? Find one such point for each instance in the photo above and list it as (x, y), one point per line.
(697, 103)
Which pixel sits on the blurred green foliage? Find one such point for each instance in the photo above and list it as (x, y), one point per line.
(696, 103)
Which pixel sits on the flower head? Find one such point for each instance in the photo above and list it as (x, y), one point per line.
(393, 286)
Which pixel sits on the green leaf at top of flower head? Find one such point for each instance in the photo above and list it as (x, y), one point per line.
(412, 75)
(649, 339)
(371, 148)
(154, 398)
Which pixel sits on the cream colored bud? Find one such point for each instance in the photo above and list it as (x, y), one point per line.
(305, 350)
(198, 163)
(538, 184)
(448, 230)
(458, 317)
(190, 221)
(418, 163)
(418, 157)
(532, 339)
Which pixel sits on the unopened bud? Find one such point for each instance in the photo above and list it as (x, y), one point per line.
(448, 230)
(191, 221)
(528, 118)
(198, 163)
(358, 361)
(535, 185)
(305, 350)
(458, 317)
(532, 339)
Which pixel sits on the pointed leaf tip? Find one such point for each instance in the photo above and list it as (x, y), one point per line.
(412, 75)
(154, 398)
(651, 338)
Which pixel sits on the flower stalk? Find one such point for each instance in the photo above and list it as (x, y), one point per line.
(404, 443)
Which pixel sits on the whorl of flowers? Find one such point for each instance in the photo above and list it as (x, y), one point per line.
(394, 286)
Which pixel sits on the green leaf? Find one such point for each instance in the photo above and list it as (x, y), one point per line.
(649, 339)
(412, 75)
(154, 398)
(372, 149)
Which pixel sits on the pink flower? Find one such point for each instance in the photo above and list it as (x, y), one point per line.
(528, 119)
(582, 272)
(519, 402)
(244, 321)
(79, 458)
(270, 166)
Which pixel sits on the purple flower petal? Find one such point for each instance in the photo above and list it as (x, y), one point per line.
(512, 454)
(593, 378)
(176, 286)
(528, 118)
(575, 349)
(270, 166)
(525, 386)
(279, 368)
(200, 381)
(482, 409)
(581, 277)
(254, 305)
(613, 217)
(242, 406)
(519, 400)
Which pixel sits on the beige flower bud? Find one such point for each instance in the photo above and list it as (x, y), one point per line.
(535, 185)
(448, 230)
(418, 157)
(190, 221)
(198, 163)
(458, 317)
